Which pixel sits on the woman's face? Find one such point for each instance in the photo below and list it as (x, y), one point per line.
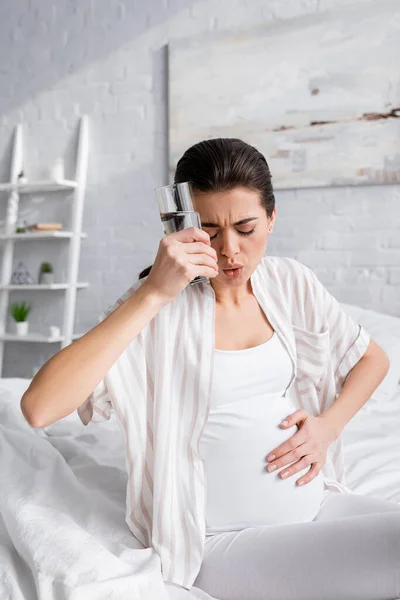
(237, 224)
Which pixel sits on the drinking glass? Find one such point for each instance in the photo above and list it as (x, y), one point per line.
(175, 204)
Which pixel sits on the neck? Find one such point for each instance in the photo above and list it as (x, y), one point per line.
(233, 297)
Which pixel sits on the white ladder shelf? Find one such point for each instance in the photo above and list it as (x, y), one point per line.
(9, 237)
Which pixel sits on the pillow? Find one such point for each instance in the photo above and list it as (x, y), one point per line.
(385, 331)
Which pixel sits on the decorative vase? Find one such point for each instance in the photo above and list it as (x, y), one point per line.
(21, 275)
(46, 278)
(57, 171)
(22, 327)
(54, 331)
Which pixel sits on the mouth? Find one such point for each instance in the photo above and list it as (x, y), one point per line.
(233, 271)
(233, 268)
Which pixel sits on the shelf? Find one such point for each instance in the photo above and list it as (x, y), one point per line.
(52, 186)
(41, 286)
(39, 187)
(36, 337)
(30, 337)
(39, 235)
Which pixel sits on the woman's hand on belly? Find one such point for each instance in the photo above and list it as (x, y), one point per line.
(308, 446)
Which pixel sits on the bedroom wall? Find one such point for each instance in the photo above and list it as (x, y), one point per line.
(108, 59)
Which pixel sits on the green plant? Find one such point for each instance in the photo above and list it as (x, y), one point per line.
(46, 268)
(21, 174)
(21, 228)
(20, 311)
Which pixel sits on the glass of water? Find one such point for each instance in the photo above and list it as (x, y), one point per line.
(175, 203)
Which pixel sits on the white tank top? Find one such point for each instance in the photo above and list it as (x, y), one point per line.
(247, 406)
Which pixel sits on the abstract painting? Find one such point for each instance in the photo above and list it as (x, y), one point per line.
(318, 95)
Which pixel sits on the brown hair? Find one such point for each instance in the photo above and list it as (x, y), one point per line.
(221, 164)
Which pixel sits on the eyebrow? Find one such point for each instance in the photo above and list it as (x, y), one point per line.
(242, 222)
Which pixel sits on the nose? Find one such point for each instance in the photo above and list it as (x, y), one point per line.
(230, 244)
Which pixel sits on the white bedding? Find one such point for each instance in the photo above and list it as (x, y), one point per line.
(372, 449)
(63, 534)
(62, 502)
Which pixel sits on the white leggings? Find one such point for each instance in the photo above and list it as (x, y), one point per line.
(350, 551)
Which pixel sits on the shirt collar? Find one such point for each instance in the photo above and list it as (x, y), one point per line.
(272, 304)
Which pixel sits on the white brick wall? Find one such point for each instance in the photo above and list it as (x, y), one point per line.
(108, 59)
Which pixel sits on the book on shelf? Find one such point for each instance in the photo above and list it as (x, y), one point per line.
(45, 227)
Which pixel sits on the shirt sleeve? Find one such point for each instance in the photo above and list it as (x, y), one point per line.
(348, 340)
(98, 406)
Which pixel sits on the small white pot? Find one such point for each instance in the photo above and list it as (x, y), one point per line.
(57, 171)
(46, 278)
(22, 327)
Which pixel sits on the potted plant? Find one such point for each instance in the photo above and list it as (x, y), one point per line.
(21, 177)
(20, 313)
(46, 273)
(21, 227)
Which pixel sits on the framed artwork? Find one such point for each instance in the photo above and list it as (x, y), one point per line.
(318, 95)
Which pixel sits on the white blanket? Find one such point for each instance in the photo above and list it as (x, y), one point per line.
(62, 504)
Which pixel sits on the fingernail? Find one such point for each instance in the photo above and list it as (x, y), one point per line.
(284, 422)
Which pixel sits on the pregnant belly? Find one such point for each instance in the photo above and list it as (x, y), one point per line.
(240, 492)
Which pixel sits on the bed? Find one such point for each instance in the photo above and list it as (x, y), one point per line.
(62, 492)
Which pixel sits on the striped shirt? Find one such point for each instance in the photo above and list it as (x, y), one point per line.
(160, 389)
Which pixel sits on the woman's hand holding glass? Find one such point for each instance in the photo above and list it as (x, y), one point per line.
(181, 257)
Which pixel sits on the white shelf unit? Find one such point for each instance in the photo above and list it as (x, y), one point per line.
(33, 337)
(39, 187)
(41, 286)
(39, 235)
(8, 238)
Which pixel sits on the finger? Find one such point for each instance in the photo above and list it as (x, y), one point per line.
(198, 248)
(301, 464)
(312, 473)
(286, 460)
(192, 234)
(294, 418)
(203, 270)
(202, 259)
(290, 457)
(289, 445)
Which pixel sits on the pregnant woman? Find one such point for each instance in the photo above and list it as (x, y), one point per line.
(231, 395)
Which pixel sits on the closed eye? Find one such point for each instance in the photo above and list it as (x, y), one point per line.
(241, 233)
